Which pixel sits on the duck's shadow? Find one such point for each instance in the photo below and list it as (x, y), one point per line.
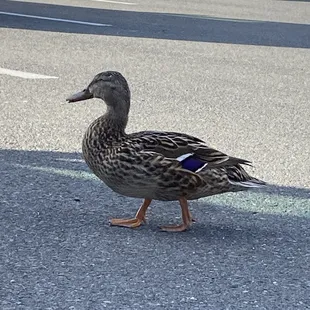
(58, 190)
(54, 230)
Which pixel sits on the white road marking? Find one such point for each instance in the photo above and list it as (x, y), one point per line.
(272, 203)
(215, 18)
(116, 2)
(25, 75)
(56, 19)
(71, 160)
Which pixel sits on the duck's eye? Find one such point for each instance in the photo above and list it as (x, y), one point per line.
(105, 78)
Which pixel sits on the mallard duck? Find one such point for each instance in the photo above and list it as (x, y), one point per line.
(151, 165)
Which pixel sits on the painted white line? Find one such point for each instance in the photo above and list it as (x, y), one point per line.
(215, 18)
(116, 2)
(71, 160)
(56, 19)
(25, 75)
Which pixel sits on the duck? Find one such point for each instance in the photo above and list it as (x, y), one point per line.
(153, 165)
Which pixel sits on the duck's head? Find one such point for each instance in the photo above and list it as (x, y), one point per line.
(109, 86)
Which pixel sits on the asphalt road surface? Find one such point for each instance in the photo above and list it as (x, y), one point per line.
(233, 72)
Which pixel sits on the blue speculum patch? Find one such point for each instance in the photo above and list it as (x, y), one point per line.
(191, 163)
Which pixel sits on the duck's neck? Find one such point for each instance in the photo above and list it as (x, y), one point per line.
(108, 127)
(114, 123)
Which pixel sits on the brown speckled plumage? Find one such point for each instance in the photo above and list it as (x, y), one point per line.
(145, 164)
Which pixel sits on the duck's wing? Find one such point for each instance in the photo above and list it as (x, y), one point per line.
(170, 144)
(174, 145)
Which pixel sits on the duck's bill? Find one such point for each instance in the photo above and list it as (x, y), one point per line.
(82, 95)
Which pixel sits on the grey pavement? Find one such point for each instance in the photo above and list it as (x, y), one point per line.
(235, 73)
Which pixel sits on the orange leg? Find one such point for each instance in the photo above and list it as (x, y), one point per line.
(137, 220)
(186, 216)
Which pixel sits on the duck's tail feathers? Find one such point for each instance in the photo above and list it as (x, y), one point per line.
(239, 177)
(254, 183)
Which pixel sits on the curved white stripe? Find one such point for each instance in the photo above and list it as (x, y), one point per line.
(56, 19)
(25, 75)
(184, 156)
